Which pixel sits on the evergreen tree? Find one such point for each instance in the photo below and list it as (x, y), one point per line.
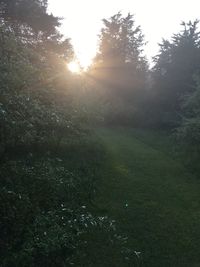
(175, 66)
(120, 65)
(28, 15)
(120, 50)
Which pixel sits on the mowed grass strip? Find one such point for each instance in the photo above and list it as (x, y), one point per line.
(155, 201)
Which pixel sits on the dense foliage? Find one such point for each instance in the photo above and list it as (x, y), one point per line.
(188, 133)
(48, 165)
(121, 68)
(50, 161)
(174, 97)
(173, 73)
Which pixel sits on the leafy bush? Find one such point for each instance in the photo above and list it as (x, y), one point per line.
(188, 134)
(46, 218)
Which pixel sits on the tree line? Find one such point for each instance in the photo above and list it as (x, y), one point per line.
(164, 97)
(50, 160)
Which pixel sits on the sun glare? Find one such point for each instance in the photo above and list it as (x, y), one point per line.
(74, 67)
(85, 61)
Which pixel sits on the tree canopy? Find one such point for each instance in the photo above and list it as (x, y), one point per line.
(175, 67)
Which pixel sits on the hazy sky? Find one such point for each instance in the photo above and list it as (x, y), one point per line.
(83, 20)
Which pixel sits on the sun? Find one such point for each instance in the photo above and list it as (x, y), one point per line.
(74, 67)
(85, 61)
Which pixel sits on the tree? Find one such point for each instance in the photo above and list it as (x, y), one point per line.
(175, 66)
(120, 65)
(28, 13)
(188, 133)
(121, 47)
(29, 62)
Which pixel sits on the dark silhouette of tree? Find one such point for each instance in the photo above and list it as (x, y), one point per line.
(175, 65)
(120, 65)
(29, 13)
(120, 48)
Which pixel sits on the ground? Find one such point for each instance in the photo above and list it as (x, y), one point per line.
(154, 200)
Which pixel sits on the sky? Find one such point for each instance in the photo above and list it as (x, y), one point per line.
(82, 20)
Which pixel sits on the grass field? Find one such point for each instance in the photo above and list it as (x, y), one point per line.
(155, 202)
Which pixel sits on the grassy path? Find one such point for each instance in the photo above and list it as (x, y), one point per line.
(154, 200)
